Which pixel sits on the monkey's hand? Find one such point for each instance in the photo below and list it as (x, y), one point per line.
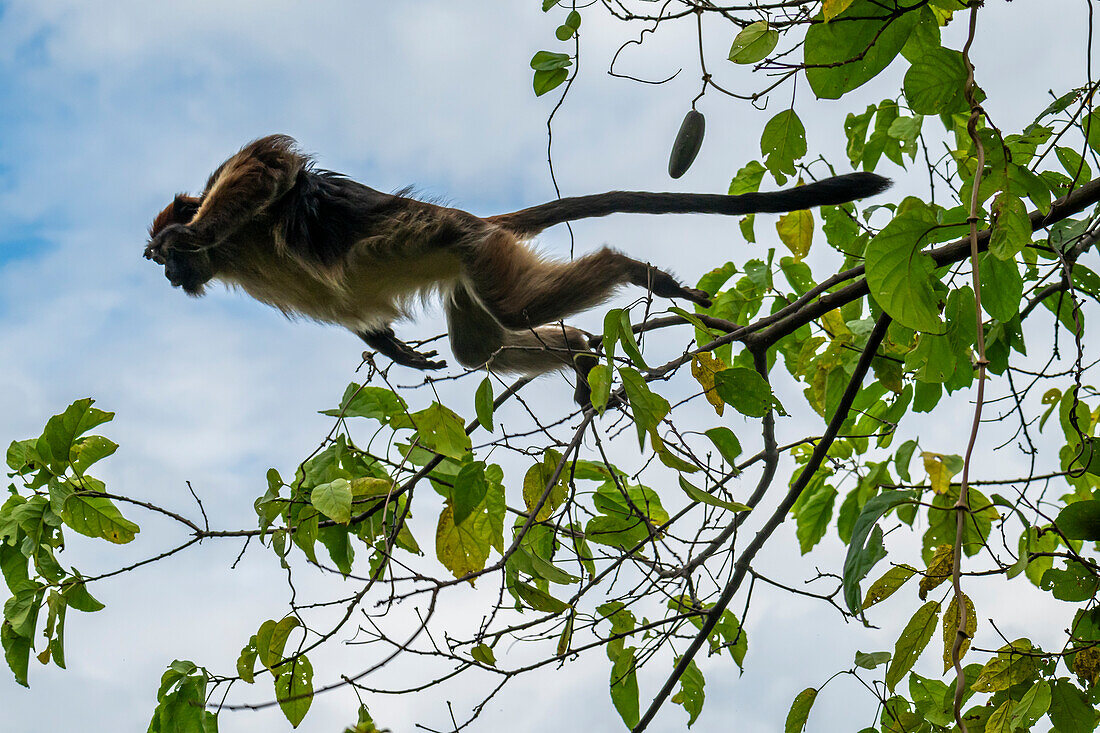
(386, 343)
(173, 238)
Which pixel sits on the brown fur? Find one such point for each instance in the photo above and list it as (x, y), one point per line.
(313, 243)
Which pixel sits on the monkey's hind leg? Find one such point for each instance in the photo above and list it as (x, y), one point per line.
(479, 341)
(522, 290)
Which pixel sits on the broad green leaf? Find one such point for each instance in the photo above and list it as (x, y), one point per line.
(1033, 705)
(333, 499)
(546, 81)
(1080, 520)
(96, 516)
(726, 443)
(483, 404)
(537, 480)
(550, 61)
(1002, 287)
(468, 492)
(782, 143)
(271, 639)
(371, 402)
(862, 555)
(1011, 227)
(463, 548)
(17, 652)
(691, 694)
(844, 55)
(294, 689)
(800, 711)
(1000, 720)
(935, 83)
(831, 8)
(813, 517)
(624, 687)
(484, 654)
(914, 638)
(900, 277)
(89, 450)
(77, 597)
(1075, 583)
(1070, 711)
(752, 44)
(747, 179)
(870, 660)
(745, 390)
(62, 430)
(441, 430)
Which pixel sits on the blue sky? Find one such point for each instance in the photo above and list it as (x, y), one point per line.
(107, 110)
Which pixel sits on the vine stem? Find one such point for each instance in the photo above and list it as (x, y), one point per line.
(962, 506)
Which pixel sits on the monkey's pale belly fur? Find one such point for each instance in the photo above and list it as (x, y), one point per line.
(363, 294)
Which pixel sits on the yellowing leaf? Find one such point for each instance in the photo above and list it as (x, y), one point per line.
(464, 548)
(951, 628)
(914, 638)
(940, 469)
(832, 8)
(703, 368)
(796, 230)
(939, 569)
(885, 586)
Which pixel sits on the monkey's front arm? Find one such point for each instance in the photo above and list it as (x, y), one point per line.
(385, 342)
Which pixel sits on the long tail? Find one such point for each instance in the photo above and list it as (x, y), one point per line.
(836, 190)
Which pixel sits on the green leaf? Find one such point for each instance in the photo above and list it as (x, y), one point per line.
(545, 81)
(1011, 227)
(691, 694)
(747, 179)
(333, 499)
(463, 548)
(77, 597)
(697, 494)
(885, 586)
(294, 689)
(89, 450)
(1033, 705)
(1008, 668)
(626, 338)
(470, 487)
(870, 660)
(812, 517)
(537, 599)
(441, 430)
(726, 443)
(484, 654)
(1070, 711)
(782, 143)
(800, 711)
(550, 61)
(900, 277)
(1074, 584)
(483, 404)
(371, 402)
(863, 555)
(753, 43)
(845, 55)
(935, 83)
(746, 391)
(246, 661)
(62, 430)
(271, 639)
(914, 638)
(96, 516)
(599, 381)
(1002, 287)
(624, 687)
(1080, 520)
(648, 407)
(17, 652)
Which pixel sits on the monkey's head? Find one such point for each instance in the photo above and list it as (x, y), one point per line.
(185, 265)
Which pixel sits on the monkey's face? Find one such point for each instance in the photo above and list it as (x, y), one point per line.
(171, 244)
(188, 270)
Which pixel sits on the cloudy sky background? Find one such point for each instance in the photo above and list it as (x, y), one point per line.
(108, 109)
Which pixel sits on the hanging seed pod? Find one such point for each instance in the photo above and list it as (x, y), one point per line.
(688, 141)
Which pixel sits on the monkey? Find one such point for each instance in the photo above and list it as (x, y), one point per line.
(314, 243)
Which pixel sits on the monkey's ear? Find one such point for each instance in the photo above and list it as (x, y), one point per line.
(184, 208)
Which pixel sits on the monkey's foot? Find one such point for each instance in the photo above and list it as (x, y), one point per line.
(414, 359)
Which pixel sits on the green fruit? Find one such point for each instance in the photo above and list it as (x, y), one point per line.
(688, 141)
